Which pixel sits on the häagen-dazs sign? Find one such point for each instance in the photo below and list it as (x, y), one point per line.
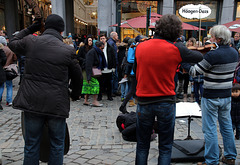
(195, 11)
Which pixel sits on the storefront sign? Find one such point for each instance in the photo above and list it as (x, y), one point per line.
(234, 26)
(195, 11)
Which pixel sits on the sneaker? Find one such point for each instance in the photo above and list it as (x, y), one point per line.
(201, 163)
(8, 104)
(1, 108)
(131, 103)
(123, 109)
(228, 161)
(123, 80)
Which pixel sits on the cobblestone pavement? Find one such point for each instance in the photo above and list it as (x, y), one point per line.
(94, 136)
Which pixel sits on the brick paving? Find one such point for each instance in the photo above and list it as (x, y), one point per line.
(94, 136)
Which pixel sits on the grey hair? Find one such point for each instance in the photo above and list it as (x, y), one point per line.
(112, 34)
(221, 32)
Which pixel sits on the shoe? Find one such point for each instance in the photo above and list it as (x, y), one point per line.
(123, 109)
(117, 94)
(131, 103)
(1, 108)
(237, 137)
(228, 161)
(8, 104)
(99, 99)
(87, 104)
(123, 80)
(110, 99)
(99, 105)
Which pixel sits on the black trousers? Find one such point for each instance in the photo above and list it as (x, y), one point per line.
(105, 84)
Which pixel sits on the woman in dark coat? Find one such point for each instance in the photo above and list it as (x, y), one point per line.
(94, 59)
(81, 57)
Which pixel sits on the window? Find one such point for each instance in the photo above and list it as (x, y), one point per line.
(133, 8)
(238, 11)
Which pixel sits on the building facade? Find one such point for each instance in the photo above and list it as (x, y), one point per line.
(80, 16)
(222, 11)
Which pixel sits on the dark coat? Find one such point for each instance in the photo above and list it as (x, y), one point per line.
(92, 60)
(3, 60)
(81, 56)
(112, 43)
(49, 65)
(111, 59)
(235, 110)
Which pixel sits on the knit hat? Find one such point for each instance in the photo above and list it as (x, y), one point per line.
(54, 21)
(3, 40)
(139, 37)
(236, 86)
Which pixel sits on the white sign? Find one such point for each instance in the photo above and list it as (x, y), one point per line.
(234, 26)
(194, 11)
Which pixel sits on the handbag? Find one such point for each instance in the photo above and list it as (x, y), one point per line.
(11, 71)
(96, 72)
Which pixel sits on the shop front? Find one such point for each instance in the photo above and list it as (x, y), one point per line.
(205, 23)
(132, 9)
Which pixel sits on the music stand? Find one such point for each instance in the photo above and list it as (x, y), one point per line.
(189, 110)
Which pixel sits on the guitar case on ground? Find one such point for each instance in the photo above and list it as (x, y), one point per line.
(189, 151)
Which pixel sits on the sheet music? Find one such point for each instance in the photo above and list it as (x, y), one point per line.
(186, 109)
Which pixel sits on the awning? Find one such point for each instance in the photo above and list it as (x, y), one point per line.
(233, 26)
(140, 22)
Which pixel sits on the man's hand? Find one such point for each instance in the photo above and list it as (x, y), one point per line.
(36, 26)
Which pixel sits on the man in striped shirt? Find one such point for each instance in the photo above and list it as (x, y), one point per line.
(218, 68)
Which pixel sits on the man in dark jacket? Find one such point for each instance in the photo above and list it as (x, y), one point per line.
(112, 42)
(43, 94)
(106, 78)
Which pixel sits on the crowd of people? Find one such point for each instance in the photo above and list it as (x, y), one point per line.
(150, 73)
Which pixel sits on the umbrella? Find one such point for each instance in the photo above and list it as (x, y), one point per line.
(233, 26)
(140, 22)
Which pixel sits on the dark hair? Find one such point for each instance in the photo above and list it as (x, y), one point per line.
(169, 27)
(87, 47)
(125, 40)
(99, 43)
(102, 34)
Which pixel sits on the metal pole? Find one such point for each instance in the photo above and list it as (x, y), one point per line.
(199, 37)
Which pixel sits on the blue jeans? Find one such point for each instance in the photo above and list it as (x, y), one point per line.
(213, 110)
(198, 86)
(9, 90)
(165, 113)
(124, 90)
(33, 129)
